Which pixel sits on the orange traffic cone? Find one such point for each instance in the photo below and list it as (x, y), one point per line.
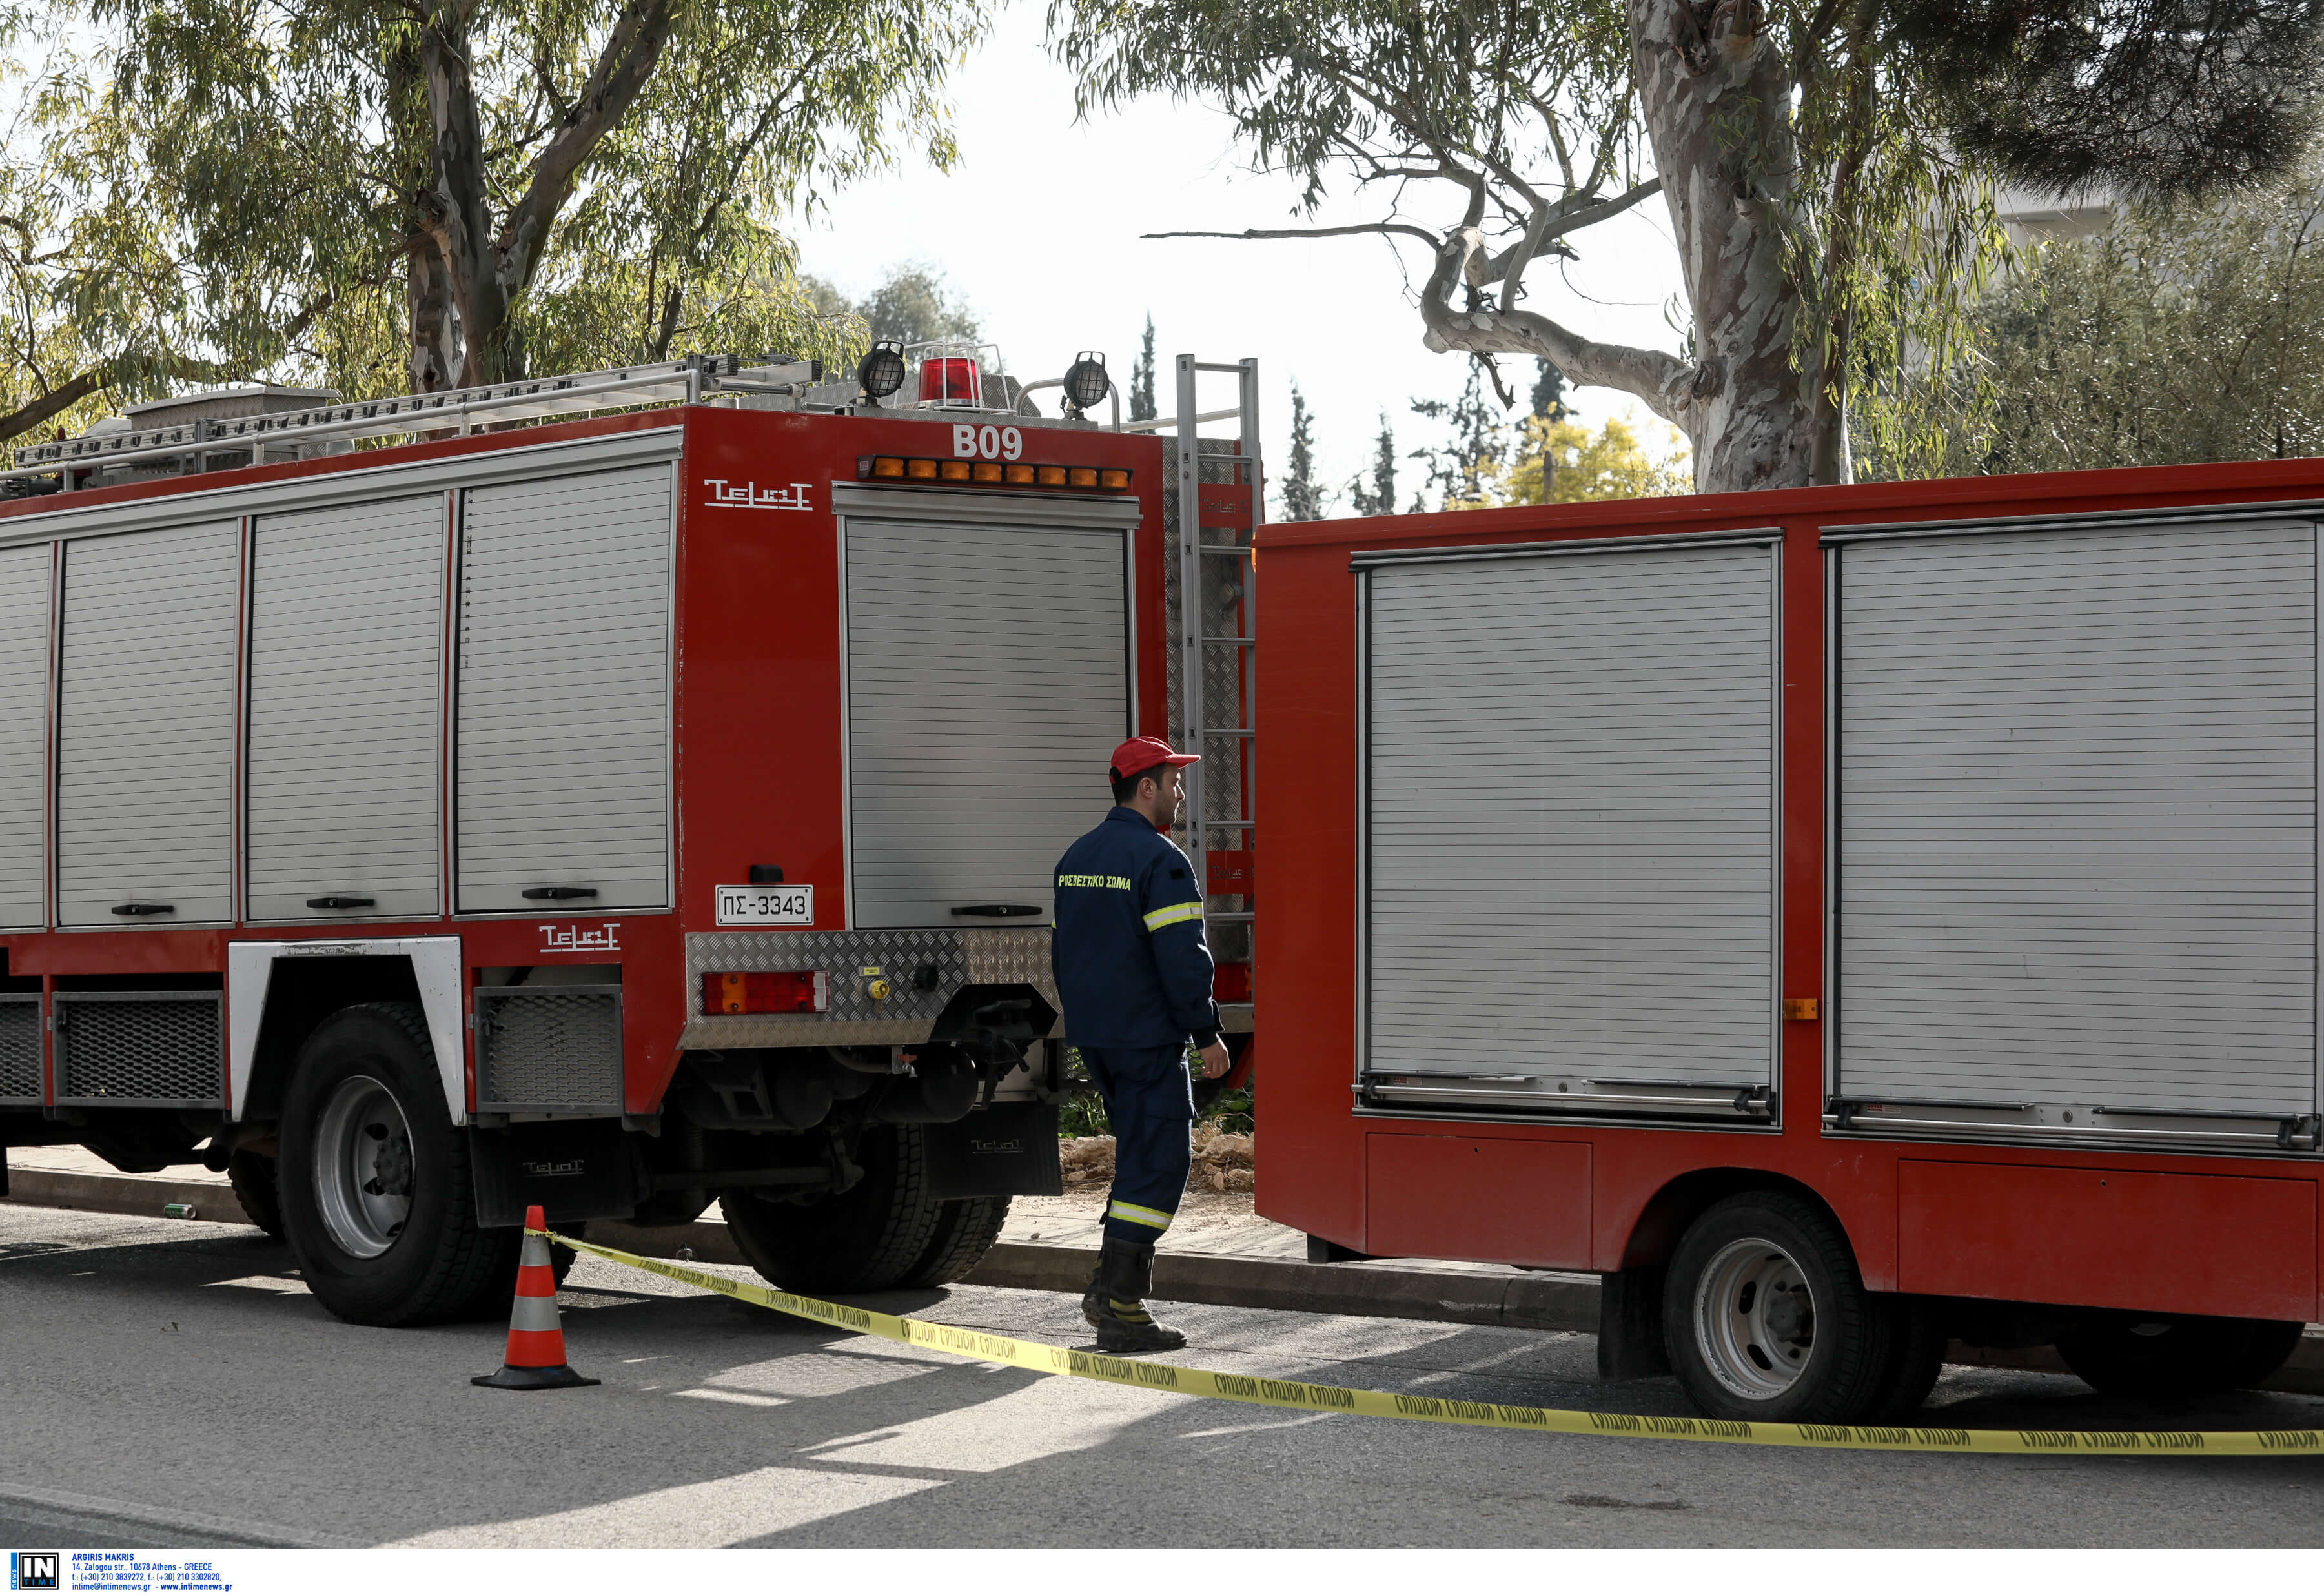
(536, 1342)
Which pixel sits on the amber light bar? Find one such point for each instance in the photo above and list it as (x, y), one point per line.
(802, 990)
(895, 467)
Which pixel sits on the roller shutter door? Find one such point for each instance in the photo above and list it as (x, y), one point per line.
(988, 681)
(1570, 871)
(24, 734)
(2078, 820)
(145, 745)
(345, 719)
(563, 744)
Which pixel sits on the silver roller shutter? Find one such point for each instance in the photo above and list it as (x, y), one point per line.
(24, 734)
(145, 745)
(1570, 839)
(346, 720)
(988, 681)
(563, 743)
(2078, 821)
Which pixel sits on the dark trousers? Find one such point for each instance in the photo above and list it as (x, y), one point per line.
(1149, 1101)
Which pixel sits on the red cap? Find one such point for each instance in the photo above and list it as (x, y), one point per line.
(1141, 753)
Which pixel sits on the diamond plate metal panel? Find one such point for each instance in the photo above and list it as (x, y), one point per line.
(556, 1048)
(20, 1048)
(960, 957)
(897, 954)
(140, 1048)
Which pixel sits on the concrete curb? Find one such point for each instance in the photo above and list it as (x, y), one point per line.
(141, 1194)
(1544, 1301)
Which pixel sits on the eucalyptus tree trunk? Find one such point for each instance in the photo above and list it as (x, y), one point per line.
(1714, 96)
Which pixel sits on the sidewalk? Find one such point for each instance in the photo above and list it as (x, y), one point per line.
(1219, 1252)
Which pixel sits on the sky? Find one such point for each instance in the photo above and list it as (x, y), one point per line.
(1038, 228)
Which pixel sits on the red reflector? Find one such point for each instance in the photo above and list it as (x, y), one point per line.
(804, 991)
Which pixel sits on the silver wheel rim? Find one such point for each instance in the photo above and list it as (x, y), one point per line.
(363, 1168)
(1753, 1319)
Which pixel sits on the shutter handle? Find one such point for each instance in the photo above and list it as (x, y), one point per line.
(140, 910)
(558, 894)
(342, 902)
(999, 910)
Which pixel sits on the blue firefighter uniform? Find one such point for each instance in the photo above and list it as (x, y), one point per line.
(1135, 974)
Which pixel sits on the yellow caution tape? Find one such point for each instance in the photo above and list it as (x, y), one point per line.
(1302, 1396)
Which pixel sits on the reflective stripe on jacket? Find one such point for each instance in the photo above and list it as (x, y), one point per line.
(1129, 953)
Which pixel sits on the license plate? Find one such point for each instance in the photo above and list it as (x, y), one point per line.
(766, 905)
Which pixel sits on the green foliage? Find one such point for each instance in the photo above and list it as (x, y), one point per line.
(1141, 377)
(1461, 470)
(1083, 1112)
(1377, 496)
(1809, 153)
(1303, 497)
(2182, 333)
(913, 303)
(377, 197)
(1562, 462)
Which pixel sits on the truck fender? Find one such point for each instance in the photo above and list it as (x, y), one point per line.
(435, 968)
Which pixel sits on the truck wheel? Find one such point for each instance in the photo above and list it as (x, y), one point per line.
(867, 1237)
(377, 1199)
(1916, 1355)
(1766, 1317)
(252, 1175)
(2126, 1356)
(965, 1232)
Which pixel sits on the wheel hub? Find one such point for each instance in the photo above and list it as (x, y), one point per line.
(364, 1167)
(1754, 1319)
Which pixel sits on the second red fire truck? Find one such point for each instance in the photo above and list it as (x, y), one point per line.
(1847, 920)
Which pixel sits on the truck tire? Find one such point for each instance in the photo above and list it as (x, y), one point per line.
(867, 1237)
(965, 1232)
(2122, 1356)
(1916, 1355)
(377, 1200)
(1766, 1317)
(252, 1175)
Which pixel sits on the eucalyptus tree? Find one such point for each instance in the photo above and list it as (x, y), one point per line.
(1825, 165)
(434, 193)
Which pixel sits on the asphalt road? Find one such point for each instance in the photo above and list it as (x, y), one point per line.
(174, 1385)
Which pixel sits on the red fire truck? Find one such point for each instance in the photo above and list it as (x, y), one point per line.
(620, 792)
(1844, 919)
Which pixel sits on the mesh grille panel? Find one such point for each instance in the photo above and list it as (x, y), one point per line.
(124, 1046)
(20, 1048)
(559, 1048)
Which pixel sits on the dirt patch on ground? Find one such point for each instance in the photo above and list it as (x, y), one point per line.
(1223, 1161)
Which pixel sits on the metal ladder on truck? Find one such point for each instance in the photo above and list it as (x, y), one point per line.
(1216, 660)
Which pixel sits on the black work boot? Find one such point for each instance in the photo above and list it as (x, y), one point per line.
(1124, 1273)
(1094, 1295)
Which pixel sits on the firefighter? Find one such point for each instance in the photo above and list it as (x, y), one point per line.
(1134, 972)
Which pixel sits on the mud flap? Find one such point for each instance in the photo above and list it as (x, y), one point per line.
(1008, 1150)
(1630, 1325)
(577, 1168)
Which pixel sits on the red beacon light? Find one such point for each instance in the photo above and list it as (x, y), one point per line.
(950, 379)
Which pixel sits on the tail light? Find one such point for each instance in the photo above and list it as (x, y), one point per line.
(803, 991)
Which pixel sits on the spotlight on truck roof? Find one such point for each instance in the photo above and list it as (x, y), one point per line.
(882, 370)
(1086, 383)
